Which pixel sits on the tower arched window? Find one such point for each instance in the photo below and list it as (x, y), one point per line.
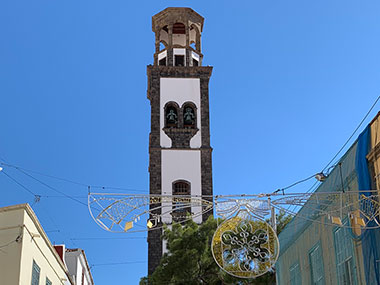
(179, 41)
(163, 45)
(181, 187)
(180, 210)
(189, 115)
(171, 115)
(195, 37)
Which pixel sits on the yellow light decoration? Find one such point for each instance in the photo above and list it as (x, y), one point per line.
(244, 246)
(128, 226)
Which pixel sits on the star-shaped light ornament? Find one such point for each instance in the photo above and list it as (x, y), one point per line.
(245, 246)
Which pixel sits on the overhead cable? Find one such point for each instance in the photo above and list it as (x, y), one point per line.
(52, 188)
(18, 183)
(18, 238)
(71, 181)
(356, 129)
(36, 198)
(117, 263)
(106, 238)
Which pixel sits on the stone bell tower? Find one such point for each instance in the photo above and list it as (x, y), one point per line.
(179, 141)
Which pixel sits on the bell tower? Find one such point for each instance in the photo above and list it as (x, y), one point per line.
(179, 141)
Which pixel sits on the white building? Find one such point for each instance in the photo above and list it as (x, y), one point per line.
(26, 254)
(77, 265)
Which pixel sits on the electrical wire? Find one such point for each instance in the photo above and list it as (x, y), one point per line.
(52, 188)
(62, 233)
(131, 189)
(36, 200)
(42, 174)
(9, 243)
(18, 183)
(37, 197)
(328, 167)
(60, 196)
(117, 263)
(293, 184)
(298, 182)
(356, 129)
(107, 238)
(23, 170)
(120, 188)
(70, 180)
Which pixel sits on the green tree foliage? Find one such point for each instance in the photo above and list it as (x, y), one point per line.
(189, 259)
(282, 221)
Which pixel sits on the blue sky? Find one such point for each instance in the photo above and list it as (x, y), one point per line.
(291, 81)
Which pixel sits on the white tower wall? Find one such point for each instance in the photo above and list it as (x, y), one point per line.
(180, 90)
(181, 165)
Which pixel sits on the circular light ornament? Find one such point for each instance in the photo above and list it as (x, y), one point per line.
(245, 246)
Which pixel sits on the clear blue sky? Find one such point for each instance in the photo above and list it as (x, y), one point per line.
(291, 81)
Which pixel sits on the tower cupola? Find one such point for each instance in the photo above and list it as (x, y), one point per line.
(178, 37)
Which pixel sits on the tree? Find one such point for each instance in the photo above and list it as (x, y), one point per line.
(189, 259)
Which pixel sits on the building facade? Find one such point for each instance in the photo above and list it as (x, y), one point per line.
(26, 254)
(179, 140)
(312, 251)
(77, 265)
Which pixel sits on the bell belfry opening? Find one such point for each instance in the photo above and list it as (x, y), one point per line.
(178, 37)
(179, 140)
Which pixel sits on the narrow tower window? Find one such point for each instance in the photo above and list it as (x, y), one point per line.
(162, 62)
(179, 60)
(180, 188)
(171, 116)
(195, 57)
(162, 56)
(189, 118)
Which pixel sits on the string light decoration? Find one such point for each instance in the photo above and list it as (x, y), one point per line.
(245, 244)
(123, 212)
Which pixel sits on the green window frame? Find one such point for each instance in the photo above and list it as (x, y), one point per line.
(295, 274)
(316, 265)
(48, 282)
(344, 256)
(36, 270)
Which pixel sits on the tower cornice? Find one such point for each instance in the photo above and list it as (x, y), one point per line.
(175, 14)
(177, 72)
